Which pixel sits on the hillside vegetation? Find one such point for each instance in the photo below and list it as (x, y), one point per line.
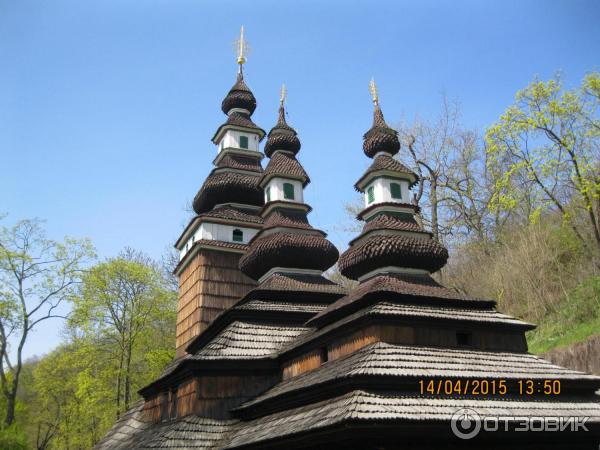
(519, 206)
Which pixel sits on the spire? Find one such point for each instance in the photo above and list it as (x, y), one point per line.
(392, 239)
(287, 242)
(380, 137)
(282, 136)
(235, 178)
(240, 98)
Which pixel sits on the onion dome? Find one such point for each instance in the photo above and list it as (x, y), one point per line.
(289, 250)
(228, 187)
(380, 138)
(377, 251)
(282, 137)
(239, 96)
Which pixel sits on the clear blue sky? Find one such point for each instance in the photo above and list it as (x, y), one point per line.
(107, 107)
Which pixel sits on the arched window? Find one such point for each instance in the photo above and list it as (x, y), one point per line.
(238, 235)
(395, 191)
(288, 191)
(371, 194)
(243, 141)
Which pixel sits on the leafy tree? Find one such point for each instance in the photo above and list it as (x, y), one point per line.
(36, 276)
(545, 152)
(126, 310)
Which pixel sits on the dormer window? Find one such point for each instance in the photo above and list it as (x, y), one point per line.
(371, 194)
(238, 235)
(396, 191)
(243, 141)
(288, 191)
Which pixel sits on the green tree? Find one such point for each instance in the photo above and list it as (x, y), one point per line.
(36, 276)
(125, 310)
(545, 152)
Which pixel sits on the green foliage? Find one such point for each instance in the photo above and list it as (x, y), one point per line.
(576, 318)
(72, 394)
(12, 438)
(543, 153)
(36, 276)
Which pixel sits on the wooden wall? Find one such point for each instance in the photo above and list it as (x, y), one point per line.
(303, 363)
(403, 335)
(208, 285)
(207, 396)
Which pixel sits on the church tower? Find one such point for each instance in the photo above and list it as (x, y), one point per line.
(227, 218)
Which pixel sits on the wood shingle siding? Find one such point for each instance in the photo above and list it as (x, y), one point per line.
(209, 284)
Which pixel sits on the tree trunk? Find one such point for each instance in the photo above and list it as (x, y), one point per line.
(434, 208)
(128, 377)
(10, 408)
(119, 377)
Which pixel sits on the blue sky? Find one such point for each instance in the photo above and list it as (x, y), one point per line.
(107, 107)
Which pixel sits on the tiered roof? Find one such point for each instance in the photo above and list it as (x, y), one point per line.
(274, 313)
(288, 241)
(237, 172)
(320, 369)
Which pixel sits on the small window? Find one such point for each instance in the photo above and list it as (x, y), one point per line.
(268, 194)
(222, 143)
(395, 190)
(238, 235)
(243, 141)
(371, 194)
(288, 191)
(464, 339)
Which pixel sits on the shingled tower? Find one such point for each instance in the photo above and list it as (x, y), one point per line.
(226, 206)
(399, 362)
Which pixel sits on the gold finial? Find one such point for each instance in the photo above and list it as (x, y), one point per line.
(242, 48)
(373, 91)
(283, 96)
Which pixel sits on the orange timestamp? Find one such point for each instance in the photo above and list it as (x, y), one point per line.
(471, 386)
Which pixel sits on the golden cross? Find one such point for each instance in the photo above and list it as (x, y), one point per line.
(241, 47)
(373, 91)
(283, 96)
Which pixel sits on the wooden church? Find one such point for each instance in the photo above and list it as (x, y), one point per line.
(271, 354)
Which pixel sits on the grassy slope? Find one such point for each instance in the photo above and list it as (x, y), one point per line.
(576, 319)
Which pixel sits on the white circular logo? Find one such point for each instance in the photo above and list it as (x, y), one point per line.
(465, 423)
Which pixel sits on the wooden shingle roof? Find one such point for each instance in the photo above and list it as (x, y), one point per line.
(244, 340)
(386, 360)
(366, 407)
(399, 286)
